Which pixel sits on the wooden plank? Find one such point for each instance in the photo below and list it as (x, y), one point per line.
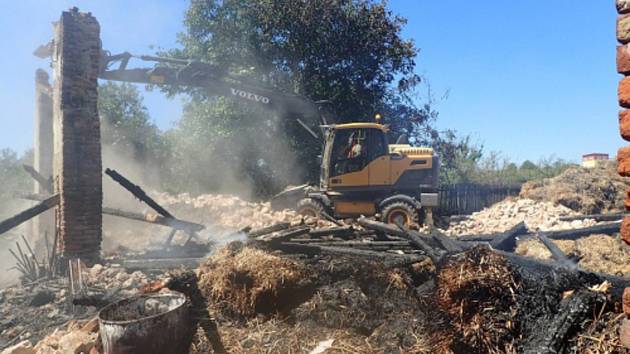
(41, 180)
(29, 213)
(137, 192)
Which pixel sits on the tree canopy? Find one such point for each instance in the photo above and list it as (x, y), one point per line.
(350, 53)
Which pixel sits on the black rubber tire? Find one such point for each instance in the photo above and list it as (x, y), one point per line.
(401, 210)
(310, 207)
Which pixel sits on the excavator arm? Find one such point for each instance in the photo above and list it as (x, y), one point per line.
(215, 82)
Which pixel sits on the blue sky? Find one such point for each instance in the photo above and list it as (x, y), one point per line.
(530, 79)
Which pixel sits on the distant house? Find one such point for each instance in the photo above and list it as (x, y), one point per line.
(592, 160)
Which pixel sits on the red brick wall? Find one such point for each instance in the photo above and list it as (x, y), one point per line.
(77, 141)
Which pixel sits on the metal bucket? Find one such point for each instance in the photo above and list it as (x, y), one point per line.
(152, 323)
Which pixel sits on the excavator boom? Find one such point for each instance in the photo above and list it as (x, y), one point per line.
(215, 82)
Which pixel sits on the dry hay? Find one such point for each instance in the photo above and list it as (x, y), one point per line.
(597, 253)
(373, 311)
(585, 190)
(477, 290)
(375, 303)
(249, 281)
(283, 336)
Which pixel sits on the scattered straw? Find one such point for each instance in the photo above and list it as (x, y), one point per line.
(251, 282)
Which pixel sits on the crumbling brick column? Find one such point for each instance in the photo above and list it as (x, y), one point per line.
(43, 147)
(623, 67)
(623, 155)
(77, 142)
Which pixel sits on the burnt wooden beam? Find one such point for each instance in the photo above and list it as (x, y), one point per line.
(346, 251)
(46, 184)
(284, 235)
(367, 245)
(172, 222)
(29, 213)
(555, 329)
(570, 234)
(543, 270)
(269, 229)
(574, 234)
(332, 231)
(137, 192)
(556, 253)
(596, 217)
(414, 237)
(507, 240)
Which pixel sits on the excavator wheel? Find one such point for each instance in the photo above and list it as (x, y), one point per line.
(310, 207)
(399, 212)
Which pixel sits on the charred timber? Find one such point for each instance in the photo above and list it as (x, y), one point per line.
(564, 278)
(571, 234)
(352, 243)
(555, 330)
(333, 231)
(46, 184)
(29, 213)
(137, 192)
(312, 249)
(269, 229)
(596, 217)
(574, 234)
(172, 222)
(507, 240)
(556, 252)
(414, 237)
(285, 235)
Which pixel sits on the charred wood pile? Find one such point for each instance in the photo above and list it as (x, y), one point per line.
(488, 298)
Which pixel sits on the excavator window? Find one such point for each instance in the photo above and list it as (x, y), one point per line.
(377, 145)
(353, 149)
(349, 151)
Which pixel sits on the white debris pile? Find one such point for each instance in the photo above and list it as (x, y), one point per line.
(77, 337)
(225, 210)
(502, 216)
(115, 277)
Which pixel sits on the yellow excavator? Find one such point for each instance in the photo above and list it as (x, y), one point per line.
(361, 174)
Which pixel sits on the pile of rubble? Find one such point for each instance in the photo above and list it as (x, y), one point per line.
(76, 337)
(594, 190)
(225, 210)
(502, 216)
(30, 311)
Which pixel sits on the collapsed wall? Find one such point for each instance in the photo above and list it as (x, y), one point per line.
(77, 140)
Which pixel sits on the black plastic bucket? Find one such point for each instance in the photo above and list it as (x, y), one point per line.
(152, 323)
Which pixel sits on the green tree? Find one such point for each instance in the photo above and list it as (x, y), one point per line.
(459, 157)
(350, 53)
(126, 123)
(14, 180)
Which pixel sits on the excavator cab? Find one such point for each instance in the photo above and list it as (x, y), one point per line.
(349, 151)
(361, 174)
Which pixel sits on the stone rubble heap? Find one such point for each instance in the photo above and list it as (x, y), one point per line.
(28, 312)
(502, 216)
(225, 210)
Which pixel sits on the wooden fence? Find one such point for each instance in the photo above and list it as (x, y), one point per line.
(467, 198)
